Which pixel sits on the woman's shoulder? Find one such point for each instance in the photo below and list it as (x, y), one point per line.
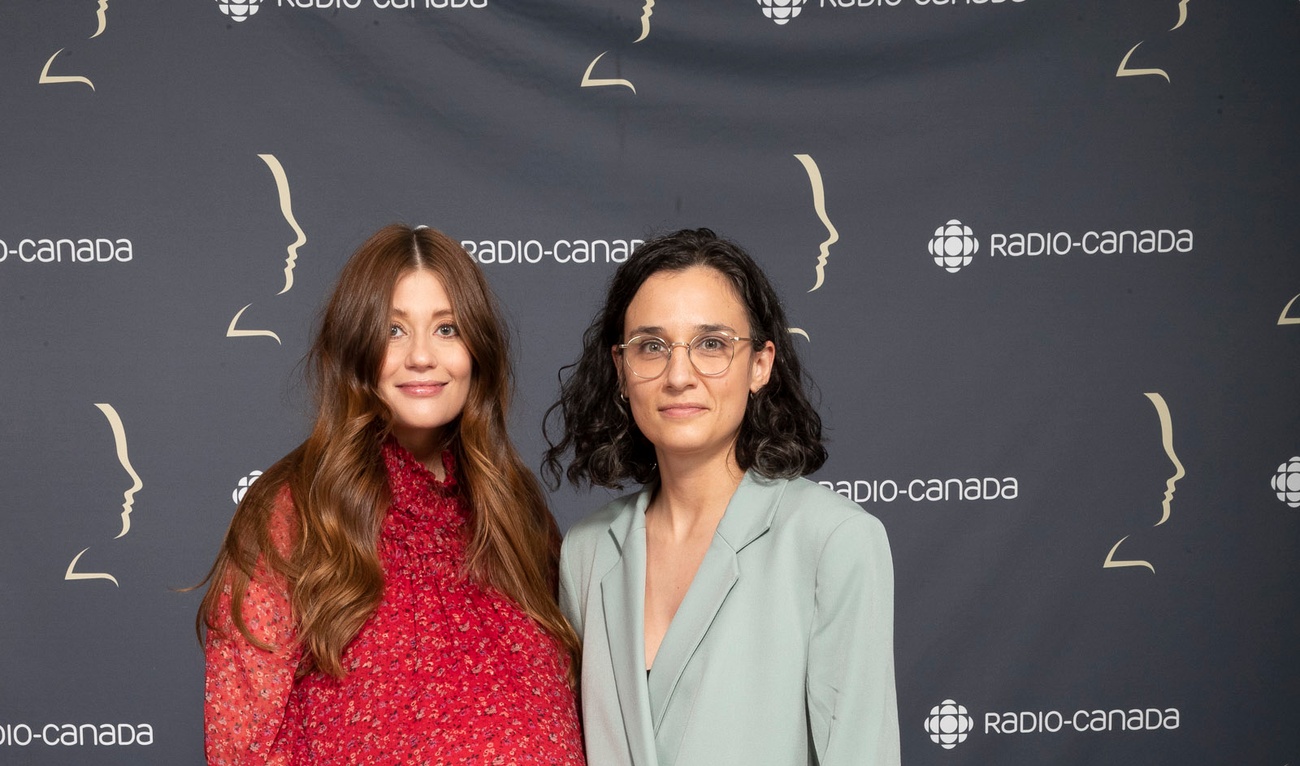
(609, 523)
(268, 510)
(594, 523)
(284, 516)
(271, 515)
(821, 512)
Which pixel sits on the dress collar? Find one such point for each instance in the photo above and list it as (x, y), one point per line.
(413, 485)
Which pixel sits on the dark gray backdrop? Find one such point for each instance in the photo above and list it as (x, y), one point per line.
(1016, 119)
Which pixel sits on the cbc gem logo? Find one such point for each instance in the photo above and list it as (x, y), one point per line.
(781, 11)
(949, 724)
(953, 245)
(1286, 482)
(238, 10)
(241, 488)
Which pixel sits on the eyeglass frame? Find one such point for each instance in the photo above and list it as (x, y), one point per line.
(639, 339)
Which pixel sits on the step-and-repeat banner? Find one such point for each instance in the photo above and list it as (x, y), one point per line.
(1043, 257)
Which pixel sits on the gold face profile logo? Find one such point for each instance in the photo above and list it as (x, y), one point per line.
(1285, 317)
(647, 10)
(1167, 442)
(128, 497)
(101, 18)
(819, 207)
(832, 234)
(1126, 71)
(286, 210)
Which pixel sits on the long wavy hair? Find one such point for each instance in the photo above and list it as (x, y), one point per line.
(339, 483)
(781, 434)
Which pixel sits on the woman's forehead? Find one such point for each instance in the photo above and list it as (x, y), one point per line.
(698, 296)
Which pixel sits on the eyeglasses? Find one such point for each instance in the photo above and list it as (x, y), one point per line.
(710, 353)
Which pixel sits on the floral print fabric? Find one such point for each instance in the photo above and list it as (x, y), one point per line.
(445, 671)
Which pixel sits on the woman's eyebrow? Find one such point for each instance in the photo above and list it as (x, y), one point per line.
(404, 314)
(656, 330)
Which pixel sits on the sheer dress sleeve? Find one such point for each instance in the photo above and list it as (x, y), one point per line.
(246, 687)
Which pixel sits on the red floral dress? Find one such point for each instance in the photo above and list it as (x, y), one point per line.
(444, 672)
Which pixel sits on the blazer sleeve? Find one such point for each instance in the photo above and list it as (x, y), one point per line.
(246, 688)
(852, 703)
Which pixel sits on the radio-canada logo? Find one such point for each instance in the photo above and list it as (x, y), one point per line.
(949, 724)
(238, 10)
(953, 245)
(1286, 482)
(781, 11)
(241, 488)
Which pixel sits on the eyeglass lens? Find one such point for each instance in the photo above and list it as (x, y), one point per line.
(710, 354)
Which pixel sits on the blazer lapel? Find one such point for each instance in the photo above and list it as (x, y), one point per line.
(622, 593)
(749, 514)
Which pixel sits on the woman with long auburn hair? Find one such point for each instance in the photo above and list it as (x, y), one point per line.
(386, 591)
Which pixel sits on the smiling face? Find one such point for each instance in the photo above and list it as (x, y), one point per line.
(427, 369)
(684, 414)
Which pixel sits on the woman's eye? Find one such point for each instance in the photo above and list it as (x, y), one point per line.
(711, 343)
(447, 331)
(652, 347)
(394, 331)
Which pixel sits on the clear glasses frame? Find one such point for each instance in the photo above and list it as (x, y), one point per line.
(663, 357)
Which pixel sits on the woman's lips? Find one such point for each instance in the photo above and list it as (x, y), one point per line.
(681, 410)
(421, 388)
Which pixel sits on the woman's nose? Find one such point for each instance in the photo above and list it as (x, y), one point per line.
(680, 372)
(421, 353)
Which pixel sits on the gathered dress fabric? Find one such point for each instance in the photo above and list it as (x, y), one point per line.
(445, 671)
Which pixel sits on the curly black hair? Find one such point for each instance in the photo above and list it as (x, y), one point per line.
(781, 434)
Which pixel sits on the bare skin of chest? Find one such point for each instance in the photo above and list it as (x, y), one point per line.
(671, 565)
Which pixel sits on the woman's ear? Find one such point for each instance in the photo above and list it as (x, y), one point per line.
(618, 370)
(760, 368)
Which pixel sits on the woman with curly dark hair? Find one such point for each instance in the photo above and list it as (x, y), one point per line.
(386, 591)
(731, 611)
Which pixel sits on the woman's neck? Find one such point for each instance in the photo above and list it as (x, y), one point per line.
(426, 447)
(693, 495)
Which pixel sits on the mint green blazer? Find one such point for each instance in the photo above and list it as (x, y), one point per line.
(782, 650)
